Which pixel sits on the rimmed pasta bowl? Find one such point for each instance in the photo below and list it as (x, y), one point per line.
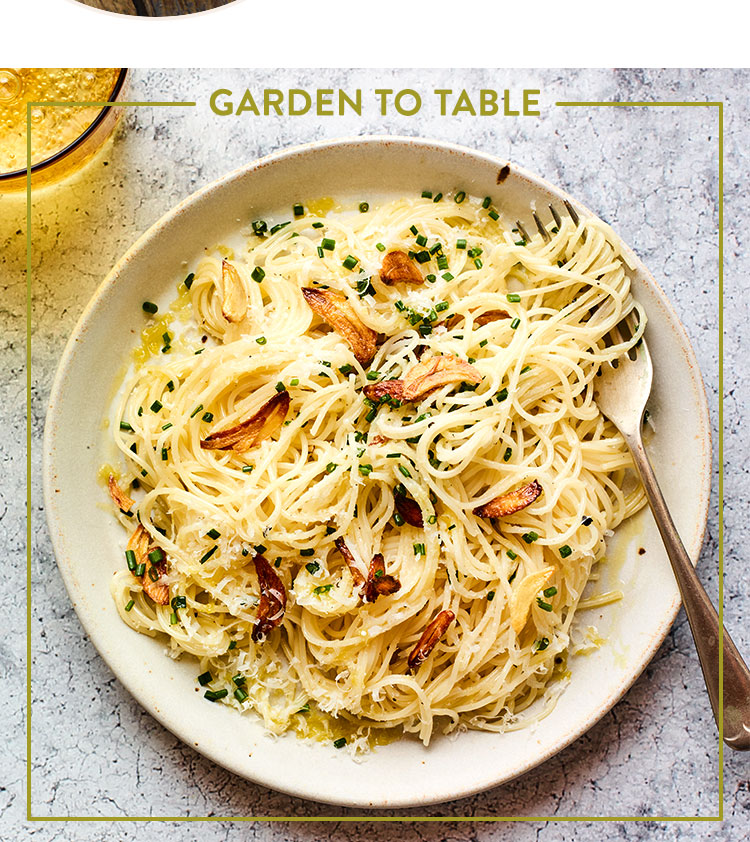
(403, 773)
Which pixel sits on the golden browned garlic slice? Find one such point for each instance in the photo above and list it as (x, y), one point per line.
(389, 388)
(334, 308)
(272, 600)
(233, 293)
(523, 596)
(510, 503)
(154, 584)
(121, 499)
(491, 316)
(357, 576)
(398, 267)
(430, 636)
(408, 509)
(250, 433)
(379, 583)
(431, 374)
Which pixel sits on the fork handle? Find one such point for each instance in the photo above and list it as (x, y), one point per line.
(702, 616)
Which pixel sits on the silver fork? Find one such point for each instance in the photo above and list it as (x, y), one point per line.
(621, 392)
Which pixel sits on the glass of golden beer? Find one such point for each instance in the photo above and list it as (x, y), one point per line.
(63, 137)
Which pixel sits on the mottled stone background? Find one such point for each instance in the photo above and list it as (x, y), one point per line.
(652, 173)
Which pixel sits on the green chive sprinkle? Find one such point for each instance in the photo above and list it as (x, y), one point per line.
(240, 694)
(514, 324)
(258, 274)
(511, 555)
(173, 619)
(232, 644)
(438, 197)
(196, 410)
(331, 467)
(508, 453)
(493, 214)
(328, 244)
(350, 262)
(164, 454)
(178, 602)
(208, 417)
(427, 194)
(130, 605)
(150, 307)
(261, 340)
(321, 589)
(260, 227)
(502, 395)
(545, 606)
(379, 246)
(414, 230)
(294, 381)
(550, 591)
(205, 678)
(513, 297)
(530, 537)
(312, 567)
(419, 549)
(460, 244)
(365, 470)
(155, 556)
(397, 519)
(459, 197)
(279, 227)
(363, 207)
(215, 695)
(490, 596)
(486, 202)
(320, 251)
(189, 280)
(213, 533)
(404, 470)
(542, 644)
(131, 560)
(140, 570)
(340, 743)
(280, 387)
(205, 557)
(298, 210)
(125, 426)
(565, 551)
(247, 469)
(156, 406)
(317, 225)
(308, 552)
(447, 276)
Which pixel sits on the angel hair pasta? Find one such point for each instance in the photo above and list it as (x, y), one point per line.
(364, 470)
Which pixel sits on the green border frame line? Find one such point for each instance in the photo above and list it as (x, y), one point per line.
(369, 818)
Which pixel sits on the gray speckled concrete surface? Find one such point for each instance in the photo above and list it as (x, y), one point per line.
(652, 173)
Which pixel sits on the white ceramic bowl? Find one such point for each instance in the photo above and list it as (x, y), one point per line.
(403, 773)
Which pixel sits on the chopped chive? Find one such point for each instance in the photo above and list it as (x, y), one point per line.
(260, 226)
(565, 551)
(328, 244)
(490, 596)
(205, 678)
(131, 560)
(178, 602)
(240, 694)
(196, 410)
(350, 262)
(232, 644)
(422, 256)
(404, 470)
(447, 276)
(442, 262)
(419, 549)
(173, 619)
(545, 606)
(441, 306)
(530, 537)
(247, 469)
(205, 557)
(363, 207)
(150, 307)
(365, 470)
(317, 225)
(312, 567)
(125, 426)
(432, 519)
(483, 343)
(140, 570)
(397, 519)
(167, 425)
(298, 210)
(140, 411)
(277, 562)
(379, 246)
(512, 575)
(486, 202)
(513, 297)
(522, 243)
(213, 533)
(155, 556)
(478, 262)
(459, 197)
(189, 280)
(280, 387)
(331, 467)
(511, 555)
(431, 278)
(414, 230)
(493, 214)
(164, 454)
(525, 369)
(261, 340)
(347, 369)
(258, 274)
(130, 605)
(321, 589)
(153, 574)
(320, 251)
(550, 591)
(156, 406)
(502, 395)
(460, 244)
(421, 240)
(514, 324)
(542, 644)
(587, 521)
(279, 227)
(308, 552)
(508, 453)
(215, 695)
(340, 743)
(438, 197)
(208, 417)
(427, 194)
